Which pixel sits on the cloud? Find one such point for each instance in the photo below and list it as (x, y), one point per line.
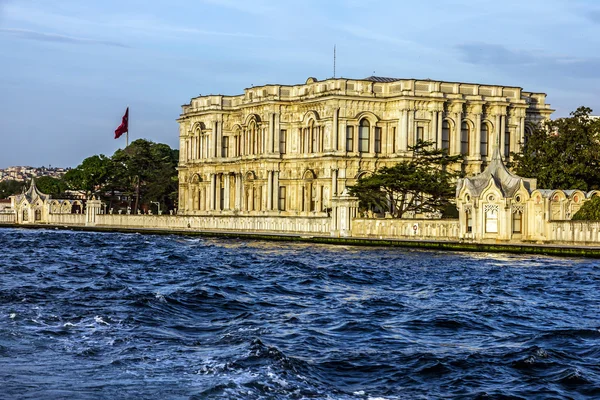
(253, 7)
(529, 62)
(52, 37)
(151, 26)
(593, 15)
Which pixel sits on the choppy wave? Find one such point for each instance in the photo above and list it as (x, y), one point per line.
(97, 315)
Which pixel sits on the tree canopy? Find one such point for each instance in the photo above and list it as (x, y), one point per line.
(563, 154)
(144, 172)
(50, 185)
(9, 188)
(423, 183)
(589, 211)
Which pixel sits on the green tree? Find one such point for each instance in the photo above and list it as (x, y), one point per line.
(589, 211)
(10, 187)
(424, 183)
(146, 171)
(91, 176)
(564, 153)
(50, 185)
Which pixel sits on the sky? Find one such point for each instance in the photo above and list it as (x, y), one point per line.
(69, 68)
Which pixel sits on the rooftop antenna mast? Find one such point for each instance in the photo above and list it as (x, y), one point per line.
(334, 60)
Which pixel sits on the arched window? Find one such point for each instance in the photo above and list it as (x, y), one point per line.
(313, 138)
(464, 138)
(252, 136)
(308, 192)
(491, 218)
(363, 136)
(485, 139)
(528, 133)
(446, 135)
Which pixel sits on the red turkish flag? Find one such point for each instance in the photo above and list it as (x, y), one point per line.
(124, 127)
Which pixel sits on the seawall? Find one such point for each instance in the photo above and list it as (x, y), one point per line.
(445, 245)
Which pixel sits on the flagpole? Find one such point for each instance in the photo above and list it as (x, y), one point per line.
(127, 133)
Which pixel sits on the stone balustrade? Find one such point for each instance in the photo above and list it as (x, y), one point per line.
(265, 224)
(7, 218)
(574, 232)
(388, 228)
(66, 219)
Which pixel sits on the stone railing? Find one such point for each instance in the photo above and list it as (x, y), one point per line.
(389, 228)
(274, 224)
(7, 218)
(66, 219)
(582, 232)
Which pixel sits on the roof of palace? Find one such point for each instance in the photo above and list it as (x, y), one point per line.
(507, 182)
(382, 79)
(32, 194)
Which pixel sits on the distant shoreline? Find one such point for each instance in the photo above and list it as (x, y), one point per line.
(521, 248)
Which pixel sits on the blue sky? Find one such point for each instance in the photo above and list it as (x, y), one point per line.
(68, 68)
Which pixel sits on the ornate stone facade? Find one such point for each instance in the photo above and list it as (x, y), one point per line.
(289, 150)
(497, 205)
(33, 206)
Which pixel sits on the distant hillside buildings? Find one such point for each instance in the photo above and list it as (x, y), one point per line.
(25, 173)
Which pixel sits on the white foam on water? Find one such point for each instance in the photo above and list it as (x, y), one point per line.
(275, 378)
(12, 315)
(99, 320)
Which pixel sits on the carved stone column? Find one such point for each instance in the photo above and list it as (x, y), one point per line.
(269, 190)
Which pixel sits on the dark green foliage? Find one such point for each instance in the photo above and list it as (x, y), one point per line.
(50, 185)
(10, 187)
(563, 154)
(589, 211)
(142, 172)
(146, 171)
(424, 183)
(91, 175)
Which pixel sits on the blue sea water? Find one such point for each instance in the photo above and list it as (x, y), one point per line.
(118, 316)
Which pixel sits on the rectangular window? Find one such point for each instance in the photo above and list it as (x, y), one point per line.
(469, 222)
(377, 140)
(314, 132)
(282, 141)
(420, 134)
(394, 139)
(225, 146)
(282, 198)
(507, 143)
(517, 222)
(350, 138)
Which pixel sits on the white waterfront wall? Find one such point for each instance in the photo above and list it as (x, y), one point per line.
(7, 218)
(66, 219)
(389, 228)
(576, 232)
(235, 223)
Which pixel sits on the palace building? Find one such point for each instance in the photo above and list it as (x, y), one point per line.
(290, 150)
